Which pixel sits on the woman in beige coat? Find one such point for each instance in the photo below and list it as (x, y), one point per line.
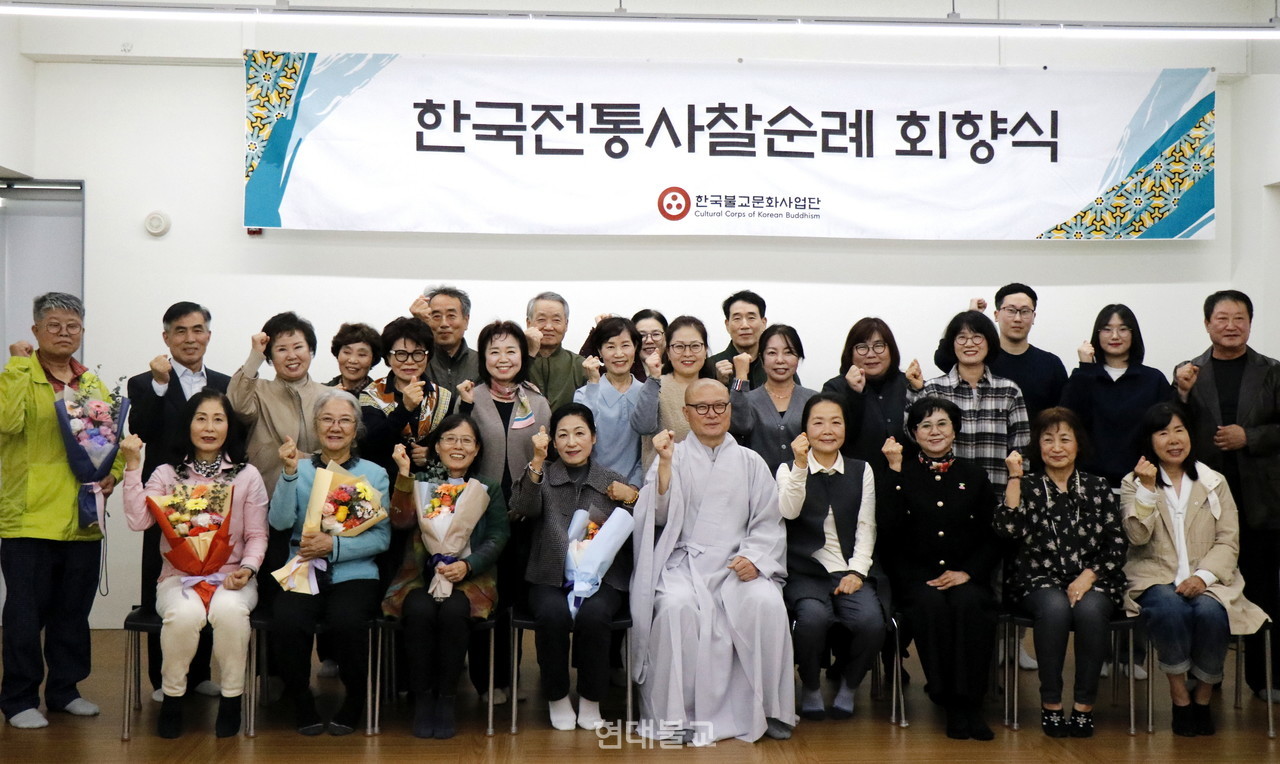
(1184, 538)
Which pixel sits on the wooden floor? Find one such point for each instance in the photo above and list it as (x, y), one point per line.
(867, 737)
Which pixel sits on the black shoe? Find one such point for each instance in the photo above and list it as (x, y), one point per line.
(228, 721)
(957, 723)
(446, 726)
(1081, 723)
(424, 715)
(1183, 722)
(344, 722)
(169, 726)
(978, 729)
(1053, 722)
(305, 716)
(1202, 719)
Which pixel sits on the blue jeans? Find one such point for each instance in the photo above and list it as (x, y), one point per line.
(1189, 634)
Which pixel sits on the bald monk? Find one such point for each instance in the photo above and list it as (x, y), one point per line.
(711, 643)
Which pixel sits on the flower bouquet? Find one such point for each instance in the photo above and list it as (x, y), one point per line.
(447, 514)
(90, 430)
(195, 520)
(592, 548)
(341, 504)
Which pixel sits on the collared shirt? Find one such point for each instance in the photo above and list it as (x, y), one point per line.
(792, 484)
(192, 381)
(77, 369)
(1176, 501)
(995, 419)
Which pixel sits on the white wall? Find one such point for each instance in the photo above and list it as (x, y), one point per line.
(170, 137)
(17, 100)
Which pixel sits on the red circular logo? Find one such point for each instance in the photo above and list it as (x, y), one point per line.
(673, 203)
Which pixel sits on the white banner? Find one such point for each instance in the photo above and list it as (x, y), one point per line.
(416, 143)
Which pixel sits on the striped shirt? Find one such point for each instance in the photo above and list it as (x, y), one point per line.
(994, 419)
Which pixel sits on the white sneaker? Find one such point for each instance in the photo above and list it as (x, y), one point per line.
(500, 697)
(158, 696)
(1025, 661)
(328, 669)
(31, 719)
(1260, 695)
(1139, 673)
(209, 688)
(1106, 671)
(81, 707)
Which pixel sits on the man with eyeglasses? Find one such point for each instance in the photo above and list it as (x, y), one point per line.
(556, 370)
(1040, 374)
(1233, 395)
(711, 639)
(447, 310)
(50, 563)
(157, 398)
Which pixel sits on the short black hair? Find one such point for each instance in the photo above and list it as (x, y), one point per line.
(861, 332)
(682, 322)
(644, 313)
(184, 308)
(817, 398)
(1016, 288)
(233, 447)
(746, 295)
(354, 334)
(406, 328)
(974, 321)
(283, 323)
(1137, 348)
(1157, 418)
(1047, 420)
(789, 334)
(448, 425)
(569, 409)
(925, 406)
(608, 329)
(1227, 295)
(503, 329)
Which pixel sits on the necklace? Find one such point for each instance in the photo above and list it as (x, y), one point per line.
(781, 396)
(207, 469)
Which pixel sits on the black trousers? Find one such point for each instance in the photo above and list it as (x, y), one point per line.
(344, 610)
(955, 635)
(591, 639)
(859, 613)
(436, 635)
(50, 586)
(152, 564)
(1260, 566)
(1055, 620)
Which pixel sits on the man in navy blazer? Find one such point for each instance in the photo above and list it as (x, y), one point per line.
(1233, 396)
(157, 400)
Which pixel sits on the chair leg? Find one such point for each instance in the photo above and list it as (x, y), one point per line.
(515, 675)
(1011, 661)
(252, 687)
(493, 636)
(1003, 639)
(1266, 640)
(1151, 681)
(1132, 713)
(130, 642)
(1239, 671)
(899, 714)
(626, 648)
(1115, 666)
(373, 667)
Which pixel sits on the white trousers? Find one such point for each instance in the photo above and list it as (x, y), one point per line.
(184, 617)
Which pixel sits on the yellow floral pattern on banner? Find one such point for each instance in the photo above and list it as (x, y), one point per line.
(271, 80)
(1150, 194)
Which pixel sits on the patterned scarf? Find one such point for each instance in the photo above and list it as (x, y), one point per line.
(941, 464)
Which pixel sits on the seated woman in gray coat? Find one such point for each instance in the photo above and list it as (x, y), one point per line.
(550, 493)
(768, 418)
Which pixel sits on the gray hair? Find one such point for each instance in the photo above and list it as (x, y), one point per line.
(528, 311)
(453, 292)
(51, 301)
(336, 393)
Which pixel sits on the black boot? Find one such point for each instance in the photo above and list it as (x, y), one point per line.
(1183, 721)
(957, 722)
(424, 715)
(1202, 719)
(978, 729)
(228, 721)
(305, 716)
(445, 724)
(348, 716)
(169, 725)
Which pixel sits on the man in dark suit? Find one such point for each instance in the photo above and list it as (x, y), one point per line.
(1233, 396)
(158, 397)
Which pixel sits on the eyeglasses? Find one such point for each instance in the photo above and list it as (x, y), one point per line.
(457, 440)
(1119, 331)
(652, 335)
(970, 339)
(704, 408)
(863, 348)
(1018, 312)
(686, 347)
(55, 327)
(404, 355)
(345, 422)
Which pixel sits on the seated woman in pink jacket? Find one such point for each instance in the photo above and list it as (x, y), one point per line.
(211, 457)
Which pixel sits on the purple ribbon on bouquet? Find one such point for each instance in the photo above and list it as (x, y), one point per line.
(189, 582)
(90, 503)
(437, 559)
(318, 563)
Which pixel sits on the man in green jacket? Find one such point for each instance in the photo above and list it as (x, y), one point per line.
(50, 563)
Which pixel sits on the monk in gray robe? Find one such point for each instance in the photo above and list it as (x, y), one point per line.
(711, 641)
